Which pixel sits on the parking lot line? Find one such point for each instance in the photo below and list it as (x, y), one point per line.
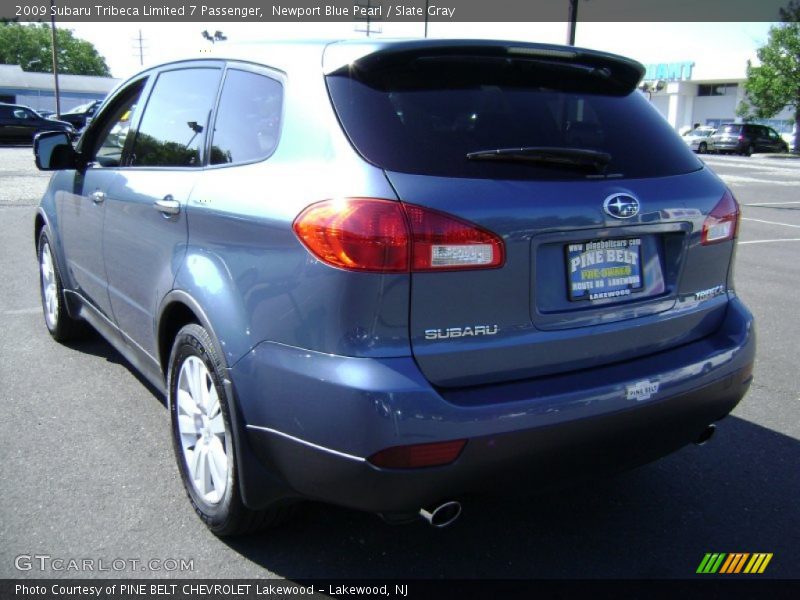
(769, 203)
(770, 222)
(23, 311)
(769, 241)
(742, 179)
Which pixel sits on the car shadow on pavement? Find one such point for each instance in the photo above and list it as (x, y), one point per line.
(738, 493)
(94, 344)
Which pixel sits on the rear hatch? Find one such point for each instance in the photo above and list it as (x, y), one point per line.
(729, 134)
(550, 149)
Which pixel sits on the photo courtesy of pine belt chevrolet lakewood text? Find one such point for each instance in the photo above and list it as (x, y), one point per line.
(385, 275)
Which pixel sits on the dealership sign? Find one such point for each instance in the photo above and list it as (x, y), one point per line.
(679, 71)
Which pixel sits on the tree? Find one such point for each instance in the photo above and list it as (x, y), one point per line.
(30, 46)
(775, 83)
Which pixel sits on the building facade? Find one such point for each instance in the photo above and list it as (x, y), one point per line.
(37, 89)
(686, 94)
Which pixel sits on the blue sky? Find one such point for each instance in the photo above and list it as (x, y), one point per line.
(719, 50)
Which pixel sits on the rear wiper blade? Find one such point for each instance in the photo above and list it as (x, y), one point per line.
(552, 155)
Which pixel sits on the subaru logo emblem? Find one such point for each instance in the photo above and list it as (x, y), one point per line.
(621, 206)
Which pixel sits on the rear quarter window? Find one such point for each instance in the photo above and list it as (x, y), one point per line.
(248, 118)
(424, 116)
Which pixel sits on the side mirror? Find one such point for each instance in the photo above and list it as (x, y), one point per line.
(53, 151)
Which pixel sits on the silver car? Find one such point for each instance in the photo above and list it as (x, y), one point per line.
(697, 139)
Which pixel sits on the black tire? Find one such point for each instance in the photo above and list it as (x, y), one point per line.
(59, 323)
(702, 148)
(748, 151)
(228, 515)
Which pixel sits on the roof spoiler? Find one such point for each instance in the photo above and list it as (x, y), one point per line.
(342, 58)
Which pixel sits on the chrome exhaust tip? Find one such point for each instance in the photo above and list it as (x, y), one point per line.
(442, 515)
(706, 436)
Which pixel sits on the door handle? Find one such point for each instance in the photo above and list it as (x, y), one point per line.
(168, 206)
(98, 196)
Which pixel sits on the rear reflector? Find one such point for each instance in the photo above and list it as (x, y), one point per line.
(372, 234)
(418, 455)
(722, 222)
(746, 373)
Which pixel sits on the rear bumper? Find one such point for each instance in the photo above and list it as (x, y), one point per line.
(313, 419)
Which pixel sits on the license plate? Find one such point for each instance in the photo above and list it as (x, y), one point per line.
(602, 269)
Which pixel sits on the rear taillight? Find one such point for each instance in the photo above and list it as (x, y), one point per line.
(722, 222)
(441, 241)
(418, 455)
(370, 234)
(356, 233)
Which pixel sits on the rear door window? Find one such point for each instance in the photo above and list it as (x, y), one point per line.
(426, 114)
(730, 129)
(177, 115)
(23, 115)
(248, 118)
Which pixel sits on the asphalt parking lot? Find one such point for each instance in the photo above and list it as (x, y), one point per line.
(88, 471)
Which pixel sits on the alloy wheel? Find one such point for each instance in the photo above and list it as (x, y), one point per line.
(201, 426)
(49, 286)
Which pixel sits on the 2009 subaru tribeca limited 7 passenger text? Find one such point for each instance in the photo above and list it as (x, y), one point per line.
(383, 274)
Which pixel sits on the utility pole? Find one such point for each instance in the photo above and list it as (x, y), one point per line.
(369, 28)
(427, 2)
(140, 46)
(55, 57)
(573, 21)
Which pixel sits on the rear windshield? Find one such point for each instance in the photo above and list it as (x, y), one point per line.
(730, 129)
(425, 115)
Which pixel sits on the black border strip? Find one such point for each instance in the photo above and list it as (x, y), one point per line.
(256, 11)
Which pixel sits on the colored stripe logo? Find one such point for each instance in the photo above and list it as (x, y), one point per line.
(734, 562)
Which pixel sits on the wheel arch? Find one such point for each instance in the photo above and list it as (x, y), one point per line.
(39, 223)
(42, 224)
(177, 310)
(259, 485)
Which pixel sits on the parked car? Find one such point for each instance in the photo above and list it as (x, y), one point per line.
(47, 114)
(697, 139)
(18, 124)
(80, 115)
(745, 139)
(375, 273)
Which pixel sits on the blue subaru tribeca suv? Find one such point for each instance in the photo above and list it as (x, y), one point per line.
(384, 274)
